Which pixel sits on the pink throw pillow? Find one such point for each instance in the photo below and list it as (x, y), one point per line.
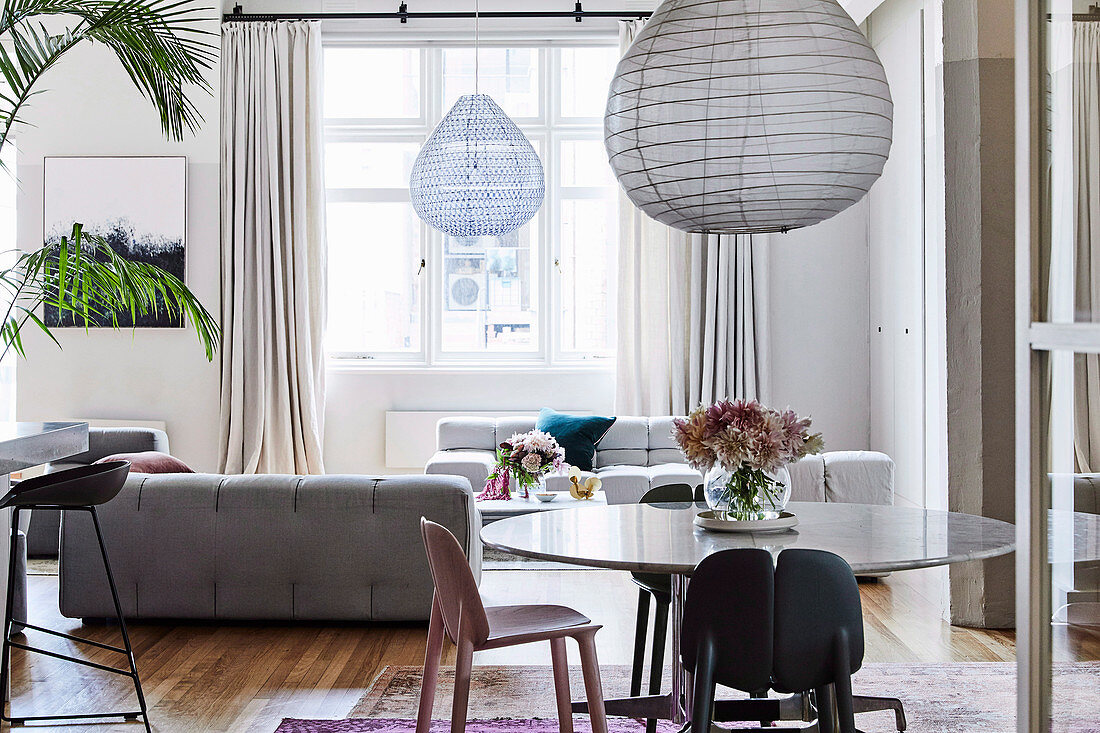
(150, 461)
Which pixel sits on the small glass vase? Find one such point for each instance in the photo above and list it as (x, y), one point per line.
(523, 485)
(747, 494)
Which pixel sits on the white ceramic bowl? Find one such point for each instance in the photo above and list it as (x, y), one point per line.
(546, 496)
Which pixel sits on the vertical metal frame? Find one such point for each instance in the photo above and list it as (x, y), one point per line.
(1029, 644)
(1033, 581)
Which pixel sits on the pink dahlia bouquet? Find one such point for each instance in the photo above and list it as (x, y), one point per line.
(742, 445)
(524, 458)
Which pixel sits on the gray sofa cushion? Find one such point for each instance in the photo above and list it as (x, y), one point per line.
(857, 477)
(808, 479)
(205, 546)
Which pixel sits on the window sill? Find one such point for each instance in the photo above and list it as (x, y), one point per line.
(370, 366)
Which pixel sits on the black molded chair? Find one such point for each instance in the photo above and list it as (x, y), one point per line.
(728, 628)
(818, 632)
(795, 630)
(78, 489)
(657, 587)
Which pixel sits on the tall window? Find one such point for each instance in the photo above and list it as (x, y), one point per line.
(402, 291)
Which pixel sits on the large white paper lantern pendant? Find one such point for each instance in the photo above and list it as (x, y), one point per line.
(477, 174)
(743, 116)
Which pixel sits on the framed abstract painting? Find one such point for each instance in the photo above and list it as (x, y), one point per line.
(137, 204)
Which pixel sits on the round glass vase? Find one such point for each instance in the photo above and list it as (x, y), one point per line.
(524, 484)
(747, 494)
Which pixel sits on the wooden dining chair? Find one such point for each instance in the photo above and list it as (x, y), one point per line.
(458, 612)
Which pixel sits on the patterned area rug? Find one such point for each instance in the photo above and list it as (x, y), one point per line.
(391, 725)
(938, 698)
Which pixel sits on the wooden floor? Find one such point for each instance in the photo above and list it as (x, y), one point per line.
(247, 677)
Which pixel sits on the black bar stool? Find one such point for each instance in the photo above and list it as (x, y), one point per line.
(78, 489)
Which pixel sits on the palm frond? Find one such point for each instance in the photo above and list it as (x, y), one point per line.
(158, 43)
(89, 284)
(164, 53)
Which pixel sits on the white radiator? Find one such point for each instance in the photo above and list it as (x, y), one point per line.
(410, 435)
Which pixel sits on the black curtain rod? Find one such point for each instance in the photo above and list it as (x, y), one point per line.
(403, 14)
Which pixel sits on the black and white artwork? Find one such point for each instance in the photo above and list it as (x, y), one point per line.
(138, 205)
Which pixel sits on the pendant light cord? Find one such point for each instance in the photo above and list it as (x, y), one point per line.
(477, 43)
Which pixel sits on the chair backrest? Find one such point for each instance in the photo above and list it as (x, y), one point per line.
(730, 604)
(672, 493)
(90, 485)
(455, 588)
(817, 613)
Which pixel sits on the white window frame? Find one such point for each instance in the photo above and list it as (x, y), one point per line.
(545, 132)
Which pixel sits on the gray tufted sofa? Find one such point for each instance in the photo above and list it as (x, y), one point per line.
(42, 534)
(325, 548)
(638, 453)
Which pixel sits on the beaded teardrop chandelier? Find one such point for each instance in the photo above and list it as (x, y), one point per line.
(477, 174)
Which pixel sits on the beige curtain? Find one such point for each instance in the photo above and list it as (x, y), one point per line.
(1086, 159)
(273, 248)
(691, 312)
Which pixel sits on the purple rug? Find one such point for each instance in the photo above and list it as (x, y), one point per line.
(395, 725)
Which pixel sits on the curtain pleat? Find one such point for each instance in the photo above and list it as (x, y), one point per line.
(1086, 158)
(273, 249)
(691, 313)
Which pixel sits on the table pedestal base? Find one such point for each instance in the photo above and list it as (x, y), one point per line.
(665, 707)
(794, 707)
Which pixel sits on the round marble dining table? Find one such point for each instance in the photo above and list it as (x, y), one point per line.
(662, 538)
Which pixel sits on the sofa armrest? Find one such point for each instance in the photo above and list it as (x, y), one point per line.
(103, 442)
(859, 477)
(473, 465)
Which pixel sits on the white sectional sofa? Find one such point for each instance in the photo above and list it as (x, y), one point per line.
(638, 453)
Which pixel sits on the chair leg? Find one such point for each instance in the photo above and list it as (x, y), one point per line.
(121, 620)
(702, 693)
(842, 685)
(463, 669)
(826, 709)
(660, 630)
(9, 603)
(430, 680)
(869, 703)
(561, 684)
(657, 664)
(640, 630)
(592, 687)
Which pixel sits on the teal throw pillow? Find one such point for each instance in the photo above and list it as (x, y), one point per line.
(577, 434)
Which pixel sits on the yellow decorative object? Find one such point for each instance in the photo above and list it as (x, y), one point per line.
(582, 491)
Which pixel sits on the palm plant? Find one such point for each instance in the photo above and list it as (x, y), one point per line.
(165, 55)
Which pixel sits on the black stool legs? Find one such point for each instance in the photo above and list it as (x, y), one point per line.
(127, 649)
(640, 630)
(660, 630)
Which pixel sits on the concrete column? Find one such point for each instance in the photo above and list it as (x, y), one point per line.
(979, 172)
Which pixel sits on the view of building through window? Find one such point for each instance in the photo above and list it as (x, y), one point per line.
(398, 289)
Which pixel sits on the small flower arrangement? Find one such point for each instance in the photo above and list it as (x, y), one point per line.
(742, 446)
(524, 458)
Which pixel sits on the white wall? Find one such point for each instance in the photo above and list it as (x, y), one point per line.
(819, 345)
(896, 235)
(906, 255)
(818, 286)
(91, 109)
